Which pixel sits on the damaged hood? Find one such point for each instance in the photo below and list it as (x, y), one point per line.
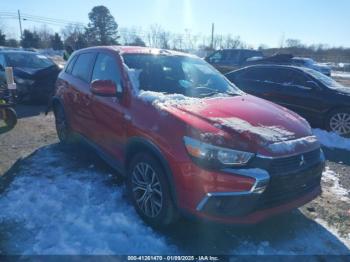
(30, 73)
(250, 122)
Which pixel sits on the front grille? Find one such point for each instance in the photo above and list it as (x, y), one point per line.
(284, 188)
(291, 164)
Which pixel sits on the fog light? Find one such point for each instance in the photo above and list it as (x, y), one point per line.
(260, 186)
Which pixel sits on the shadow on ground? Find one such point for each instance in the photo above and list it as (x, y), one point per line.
(24, 110)
(337, 155)
(65, 200)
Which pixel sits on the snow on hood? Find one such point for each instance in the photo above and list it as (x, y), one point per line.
(269, 133)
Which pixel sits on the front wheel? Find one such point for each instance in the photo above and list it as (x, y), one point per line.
(149, 191)
(339, 121)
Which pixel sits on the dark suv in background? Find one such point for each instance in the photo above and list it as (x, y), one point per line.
(226, 60)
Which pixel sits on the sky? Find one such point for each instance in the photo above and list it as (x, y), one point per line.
(255, 21)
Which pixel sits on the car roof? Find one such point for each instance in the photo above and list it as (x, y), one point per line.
(17, 52)
(239, 49)
(270, 66)
(137, 50)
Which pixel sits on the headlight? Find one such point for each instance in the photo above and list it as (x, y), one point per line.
(23, 81)
(213, 155)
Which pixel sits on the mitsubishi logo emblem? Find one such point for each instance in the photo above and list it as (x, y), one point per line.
(302, 160)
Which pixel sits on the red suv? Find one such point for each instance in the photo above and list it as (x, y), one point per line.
(186, 139)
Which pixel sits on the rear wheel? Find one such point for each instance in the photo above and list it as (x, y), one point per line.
(63, 130)
(339, 121)
(10, 117)
(149, 191)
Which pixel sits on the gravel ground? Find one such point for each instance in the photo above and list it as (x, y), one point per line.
(35, 130)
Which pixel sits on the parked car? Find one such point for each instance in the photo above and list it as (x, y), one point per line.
(226, 60)
(186, 139)
(288, 59)
(310, 63)
(318, 98)
(35, 74)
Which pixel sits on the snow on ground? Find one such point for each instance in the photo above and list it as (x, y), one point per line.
(340, 74)
(60, 203)
(336, 188)
(332, 140)
(66, 211)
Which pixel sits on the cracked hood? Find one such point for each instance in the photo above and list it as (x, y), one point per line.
(246, 122)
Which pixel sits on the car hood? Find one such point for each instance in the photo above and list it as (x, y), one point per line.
(244, 121)
(31, 73)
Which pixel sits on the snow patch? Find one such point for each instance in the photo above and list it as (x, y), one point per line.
(333, 178)
(341, 74)
(332, 140)
(60, 210)
(269, 133)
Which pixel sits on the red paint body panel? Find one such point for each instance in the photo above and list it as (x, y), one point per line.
(110, 122)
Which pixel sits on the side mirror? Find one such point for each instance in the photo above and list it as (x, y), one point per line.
(103, 88)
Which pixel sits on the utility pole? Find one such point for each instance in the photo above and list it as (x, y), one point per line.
(212, 36)
(20, 23)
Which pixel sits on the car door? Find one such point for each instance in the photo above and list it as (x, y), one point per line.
(78, 94)
(109, 112)
(298, 92)
(255, 81)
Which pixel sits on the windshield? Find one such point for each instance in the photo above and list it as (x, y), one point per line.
(327, 81)
(28, 60)
(179, 75)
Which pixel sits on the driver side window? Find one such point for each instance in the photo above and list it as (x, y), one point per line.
(106, 68)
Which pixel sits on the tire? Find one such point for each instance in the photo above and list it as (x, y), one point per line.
(152, 201)
(339, 121)
(11, 117)
(63, 130)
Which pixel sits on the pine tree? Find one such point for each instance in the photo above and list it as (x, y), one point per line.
(102, 29)
(30, 39)
(2, 38)
(56, 42)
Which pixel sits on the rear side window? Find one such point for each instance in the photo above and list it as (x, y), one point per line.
(255, 74)
(70, 65)
(82, 66)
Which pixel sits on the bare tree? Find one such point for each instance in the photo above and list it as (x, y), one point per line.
(158, 37)
(45, 34)
(74, 36)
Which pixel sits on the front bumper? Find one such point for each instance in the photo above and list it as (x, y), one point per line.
(274, 191)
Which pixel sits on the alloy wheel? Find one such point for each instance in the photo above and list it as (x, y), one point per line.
(340, 123)
(147, 189)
